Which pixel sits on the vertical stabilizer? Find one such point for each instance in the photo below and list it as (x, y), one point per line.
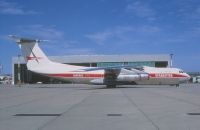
(32, 53)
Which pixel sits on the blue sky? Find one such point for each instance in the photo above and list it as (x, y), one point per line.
(104, 27)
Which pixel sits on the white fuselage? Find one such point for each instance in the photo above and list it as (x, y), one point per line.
(157, 76)
(38, 62)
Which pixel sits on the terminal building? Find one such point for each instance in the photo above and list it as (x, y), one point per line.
(27, 77)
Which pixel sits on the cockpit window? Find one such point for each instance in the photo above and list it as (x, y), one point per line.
(181, 71)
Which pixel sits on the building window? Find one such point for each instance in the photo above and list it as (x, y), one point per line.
(161, 64)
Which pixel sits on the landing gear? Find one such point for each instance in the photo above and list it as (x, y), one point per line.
(177, 85)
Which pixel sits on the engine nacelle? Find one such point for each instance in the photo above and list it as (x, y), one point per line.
(97, 81)
(133, 77)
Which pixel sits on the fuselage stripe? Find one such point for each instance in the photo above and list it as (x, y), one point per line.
(77, 75)
(166, 75)
(151, 75)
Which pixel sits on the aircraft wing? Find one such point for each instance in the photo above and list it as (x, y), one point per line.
(116, 74)
(128, 67)
(115, 69)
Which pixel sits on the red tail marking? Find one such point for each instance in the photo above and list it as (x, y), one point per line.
(33, 58)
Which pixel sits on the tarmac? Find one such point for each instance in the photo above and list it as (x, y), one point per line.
(90, 107)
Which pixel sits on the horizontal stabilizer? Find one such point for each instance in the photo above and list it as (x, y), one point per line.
(22, 40)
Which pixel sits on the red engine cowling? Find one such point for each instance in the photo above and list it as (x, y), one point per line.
(133, 77)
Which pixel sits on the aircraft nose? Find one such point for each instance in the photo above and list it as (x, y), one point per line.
(188, 77)
(185, 79)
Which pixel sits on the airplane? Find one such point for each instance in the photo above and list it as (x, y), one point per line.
(110, 76)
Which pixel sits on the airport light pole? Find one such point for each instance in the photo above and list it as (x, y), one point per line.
(19, 75)
(1, 68)
(171, 58)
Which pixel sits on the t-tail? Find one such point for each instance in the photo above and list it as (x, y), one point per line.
(37, 61)
(32, 53)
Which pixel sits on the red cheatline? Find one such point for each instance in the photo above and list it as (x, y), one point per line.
(77, 75)
(166, 75)
(33, 58)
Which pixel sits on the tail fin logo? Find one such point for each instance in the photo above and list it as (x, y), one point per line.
(33, 57)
